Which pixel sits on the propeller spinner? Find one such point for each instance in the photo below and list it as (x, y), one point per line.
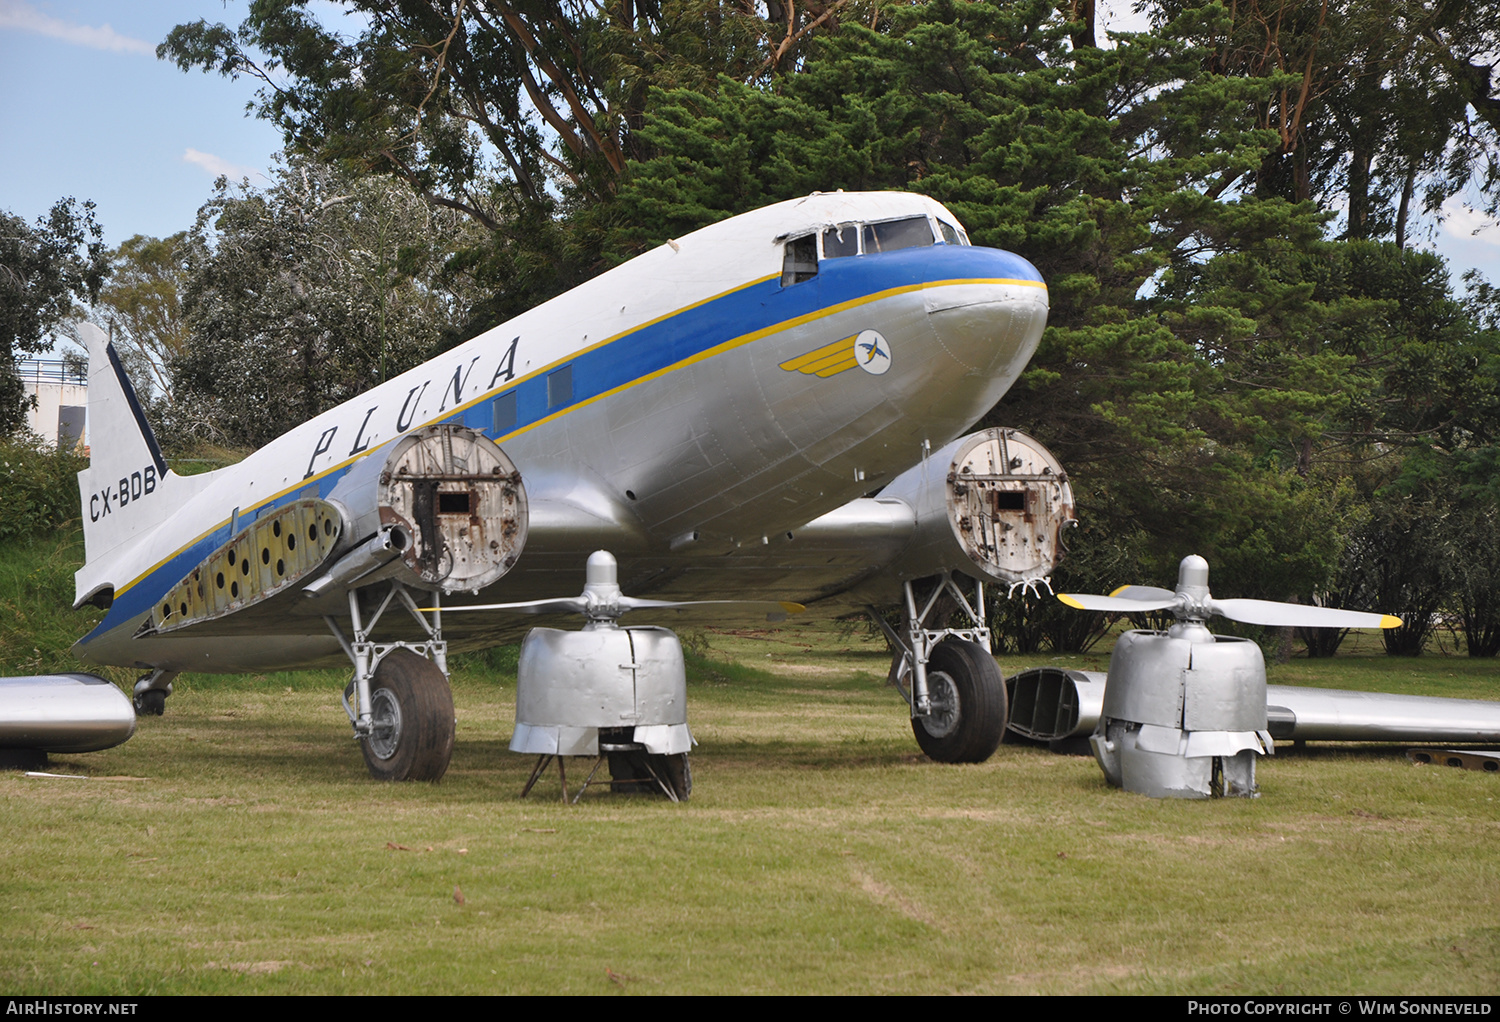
(1193, 603)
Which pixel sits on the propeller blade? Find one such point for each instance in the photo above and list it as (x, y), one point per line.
(1143, 593)
(569, 605)
(772, 606)
(1296, 615)
(1118, 605)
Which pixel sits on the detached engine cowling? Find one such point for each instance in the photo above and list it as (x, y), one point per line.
(991, 504)
(444, 509)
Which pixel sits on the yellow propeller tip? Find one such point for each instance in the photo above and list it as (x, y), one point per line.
(1120, 590)
(1390, 621)
(792, 608)
(1071, 602)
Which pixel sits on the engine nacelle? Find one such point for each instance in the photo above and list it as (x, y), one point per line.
(991, 504)
(444, 509)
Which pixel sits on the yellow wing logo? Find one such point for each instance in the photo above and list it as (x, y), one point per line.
(866, 349)
(829, 360)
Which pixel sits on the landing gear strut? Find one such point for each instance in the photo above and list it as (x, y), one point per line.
(402, 709)
(947, 676)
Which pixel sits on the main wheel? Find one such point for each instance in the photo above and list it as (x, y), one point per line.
(411, 709)
(968, 704)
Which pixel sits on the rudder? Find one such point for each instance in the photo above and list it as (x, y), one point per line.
(125, 490)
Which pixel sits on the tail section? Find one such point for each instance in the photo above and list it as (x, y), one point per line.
(127, 489)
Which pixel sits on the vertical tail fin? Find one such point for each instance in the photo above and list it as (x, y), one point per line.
(127, 488)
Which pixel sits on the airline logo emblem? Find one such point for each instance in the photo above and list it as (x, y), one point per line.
(866, 349)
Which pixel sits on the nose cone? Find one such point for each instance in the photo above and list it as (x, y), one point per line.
(601, 569)
(990, 311)
(1192, 573)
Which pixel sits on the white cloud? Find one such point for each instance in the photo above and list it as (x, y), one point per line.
(217, 165)
(20, 15)
(1463, 221)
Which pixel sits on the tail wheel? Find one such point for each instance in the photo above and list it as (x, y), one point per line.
(411, 737)
(968, 704)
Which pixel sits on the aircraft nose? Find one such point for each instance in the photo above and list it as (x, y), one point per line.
(988, 324)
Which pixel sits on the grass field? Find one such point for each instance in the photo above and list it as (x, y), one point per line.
(236, 846)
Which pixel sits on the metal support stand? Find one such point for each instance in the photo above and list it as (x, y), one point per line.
(366, 654)
(544, 760)
(909, 668)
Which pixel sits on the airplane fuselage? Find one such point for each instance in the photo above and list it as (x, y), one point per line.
(691, 409)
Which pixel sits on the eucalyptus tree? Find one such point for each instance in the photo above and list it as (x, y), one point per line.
(45, 268)
(301, 295)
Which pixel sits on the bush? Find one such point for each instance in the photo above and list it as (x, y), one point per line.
(38, 486)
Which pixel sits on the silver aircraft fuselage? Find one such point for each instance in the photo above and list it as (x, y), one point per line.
(696, 410)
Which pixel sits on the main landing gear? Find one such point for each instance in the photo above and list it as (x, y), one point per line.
(402, 709)
(947, 676)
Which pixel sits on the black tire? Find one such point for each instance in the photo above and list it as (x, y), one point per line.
(412, 707)
(969, 704)
(677, 773)
(151, 703)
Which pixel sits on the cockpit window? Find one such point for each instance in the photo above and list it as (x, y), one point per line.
(841, 241)
(801, 262)
(950, 233)
(912, 232)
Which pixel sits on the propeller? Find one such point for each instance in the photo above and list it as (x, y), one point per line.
(603, 603)
(1192, 602)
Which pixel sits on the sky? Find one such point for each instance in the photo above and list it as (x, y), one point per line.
(86, 110)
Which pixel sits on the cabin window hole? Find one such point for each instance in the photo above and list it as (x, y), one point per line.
(276, 529)
(244, 567)
(1455, 761)
(184, 610)
(231, 558)
(910, 232)
(453, 503)
(801, 261)
(265, 555)
(219, 580)
(166, 610)
(1010, 500)
(280, 566)
(291, 541)
(234, 589)
(312, 533)
(841, 241)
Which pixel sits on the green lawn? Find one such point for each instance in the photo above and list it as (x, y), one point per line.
(236, 845)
